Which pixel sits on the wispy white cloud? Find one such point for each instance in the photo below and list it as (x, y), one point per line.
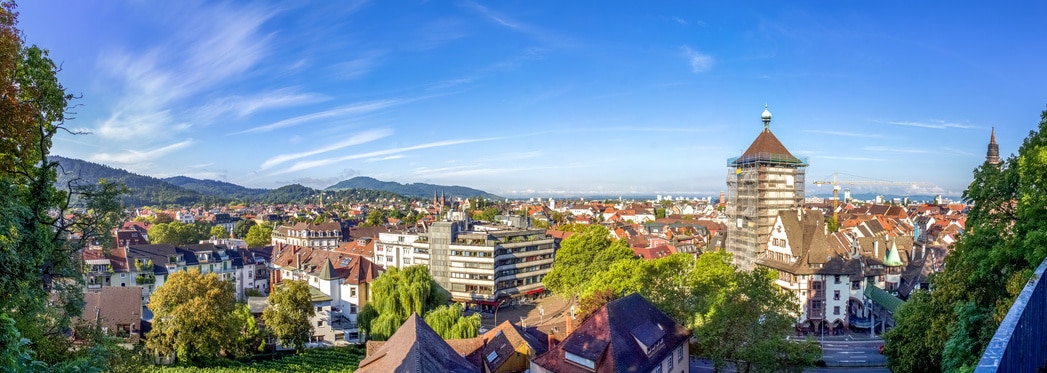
(932, 124)
(347, 110)
(387, 158)
(153, 86)
(132, 156)
(700, 62)
(516, 25)
(857, 159)
(305, 165)
(241, 107)
(358, 67)
(360, 138)
(848, 134)
(679, 20)
(885, 149)
(474, 170)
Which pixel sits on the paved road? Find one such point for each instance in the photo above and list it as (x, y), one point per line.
(853, 353)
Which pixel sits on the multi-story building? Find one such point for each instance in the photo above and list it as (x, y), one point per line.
(321, 236)
(832, 279)
(148, 266)
(396, 249)
(340, 283)
(484, 264)
(762, 181)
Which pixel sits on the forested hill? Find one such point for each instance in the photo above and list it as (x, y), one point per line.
(187, 191)
(217, 188)
(415, 190)
(145, 190)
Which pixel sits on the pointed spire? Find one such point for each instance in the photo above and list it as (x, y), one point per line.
(327, 271)
(992, 156)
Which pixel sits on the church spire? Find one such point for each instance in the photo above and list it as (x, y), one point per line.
(992, 156)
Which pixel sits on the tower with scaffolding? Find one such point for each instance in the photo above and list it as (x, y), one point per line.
(761, 182)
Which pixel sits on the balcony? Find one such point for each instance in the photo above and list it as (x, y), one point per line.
(1018, 344)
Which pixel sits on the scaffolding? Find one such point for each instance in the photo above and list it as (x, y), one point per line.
(759, 185)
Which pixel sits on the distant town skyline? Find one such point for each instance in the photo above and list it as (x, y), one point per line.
(543, 98)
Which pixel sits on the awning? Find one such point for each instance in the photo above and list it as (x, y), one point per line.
(535, 291)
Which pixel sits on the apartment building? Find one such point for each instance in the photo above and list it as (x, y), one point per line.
(484, 264)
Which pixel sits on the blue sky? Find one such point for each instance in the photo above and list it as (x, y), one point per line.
(544, 97)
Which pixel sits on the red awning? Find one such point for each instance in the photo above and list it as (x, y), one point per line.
(535, 291)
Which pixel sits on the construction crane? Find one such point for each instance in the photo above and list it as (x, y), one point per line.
(836, 188)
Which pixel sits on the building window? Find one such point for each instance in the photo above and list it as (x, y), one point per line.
(669, 361)
(856, 285)
(817, 285)
(320, 323)
(836, 310)
(836, 295)
(837, 277)
(679, 353)
(352, 292)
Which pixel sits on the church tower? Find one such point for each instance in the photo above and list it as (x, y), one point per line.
(992, 156)
(764, 180)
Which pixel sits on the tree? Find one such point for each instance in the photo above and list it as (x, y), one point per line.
(581, 257)
(243, 227)
(375, 218)
(1003, 242)
(179, 233)
(163, 217)
(250, 338)
(748, 327)
(40, 288)
(287, 316)
(218, 231)
(449, 323)
(396, 295)
(591, 302)
(260, 235)
(193, 317)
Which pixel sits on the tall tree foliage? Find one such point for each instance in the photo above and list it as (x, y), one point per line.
(40, 288)
(288, 313)
(259, 235)
(1005, 239)
(179, 233)
(450, 323)
(193, 317)
(396, 295)
(581, 257)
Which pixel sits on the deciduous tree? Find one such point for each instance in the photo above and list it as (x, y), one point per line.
(397, 294)
(193, 317)
(449, 322)
(581, 257)
(287, 316)
(260, 235)
(219, 232)
(1004, 240)
(40, 285)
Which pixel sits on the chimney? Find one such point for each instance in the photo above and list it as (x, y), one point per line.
(298, 261)
(551, 340)
(569, 325)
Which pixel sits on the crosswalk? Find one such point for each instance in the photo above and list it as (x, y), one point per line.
(851, 353)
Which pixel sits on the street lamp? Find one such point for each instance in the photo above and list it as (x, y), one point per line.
(872, 317)
(497, 306)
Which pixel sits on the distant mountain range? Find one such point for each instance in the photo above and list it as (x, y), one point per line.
(187, 191)
(417, 190)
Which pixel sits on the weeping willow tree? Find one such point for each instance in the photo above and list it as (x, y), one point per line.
(449, 322)
(396, 295)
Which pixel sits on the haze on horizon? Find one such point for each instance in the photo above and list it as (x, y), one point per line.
(519, 98)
